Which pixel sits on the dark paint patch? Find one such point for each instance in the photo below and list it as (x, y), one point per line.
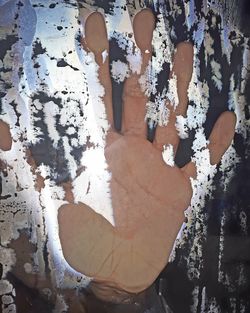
(235, 253)
(29, 299)
(247, 107)
(18, 114)
(46, 257)
(63, 63)
(116, 53)
(20, 4)
(5, 197)
(40, 5)
(44, 152)
(238, 13)
(218, 100)
(151, 131)
(37, 49)
(52, 5)
(44, 98)
(6, 44)
(177, 286)
(184, 151)
(107, 5)
(1, 270)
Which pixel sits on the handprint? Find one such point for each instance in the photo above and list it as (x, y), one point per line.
(148, 196)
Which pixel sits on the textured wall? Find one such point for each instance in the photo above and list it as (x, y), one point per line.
(50, 98)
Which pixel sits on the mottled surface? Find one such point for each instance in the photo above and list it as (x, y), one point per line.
(48, 86)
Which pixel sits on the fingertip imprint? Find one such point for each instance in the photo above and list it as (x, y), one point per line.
(221, 136)
(5, 136)
(143, 25)
(96, 33)
(224, 129)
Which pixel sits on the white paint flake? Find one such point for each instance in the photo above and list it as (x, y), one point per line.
(181, 126)
(168, 155)
(28, 268)
(172, 93)
(50, 110)
(228, 165)
(157, 112)
(104, 56)
(6, 300)
(134, 60)
(216, 74)
(7, 259)
(119, 71)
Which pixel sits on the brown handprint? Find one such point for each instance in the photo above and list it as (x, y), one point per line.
(148, 196)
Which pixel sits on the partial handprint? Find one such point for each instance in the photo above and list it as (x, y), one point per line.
(5, 136)
(148, 196)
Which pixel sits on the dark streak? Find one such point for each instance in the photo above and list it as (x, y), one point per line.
(5, 197)
(46, 256)
(63, 63)
(116, 53)
(88, 188)
(38, 5)
(1, 270)
(14, 105)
